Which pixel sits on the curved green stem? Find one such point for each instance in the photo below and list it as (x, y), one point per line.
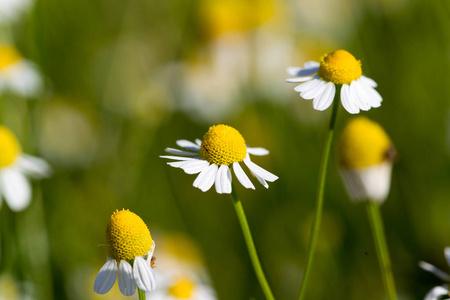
(319, 200)
(250, 245)
(141, 294)
(376, 224)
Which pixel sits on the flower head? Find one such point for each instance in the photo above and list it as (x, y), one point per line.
(222, 147)
(128, 241)
(438, 292)
(318, 80)
(365, 156)
(17, 74)
(14, 165)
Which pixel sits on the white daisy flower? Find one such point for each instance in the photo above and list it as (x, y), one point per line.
(14, 166)
(438, 292)
(17, 74)
(222, 147)
(365, 156)
(319, 79)
(128, 241)
(10, 10)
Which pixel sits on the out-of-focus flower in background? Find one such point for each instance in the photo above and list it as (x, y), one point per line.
(365, 157)
(18, 75)
(181, 274)
(10, 10)
(15, 166)
(9, 289)
(127, 240)
(438, 292)
(221, 147)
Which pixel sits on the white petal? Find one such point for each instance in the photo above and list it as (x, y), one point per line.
(15, 188)
(309, 68)
(374, 98)
(447, 254)
(34, 166)
(180, 152)
(314, 91)
(262, 181)
(205, 179)
(190, 166)
(188, 145)
(242, 177)
(258, 151)
(436, 293)
(143, 274)
(198, 142)
(223, 180)
(299, 79)
(347, 100)
(310, 85)
(359, 95)
(176, 157)
(430, 268)
(257, 170)
(368, 81)
(152, 249)
(127, 285)
(324, 100)
(106, 277)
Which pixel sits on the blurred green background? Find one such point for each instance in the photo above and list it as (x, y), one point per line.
(126, 79)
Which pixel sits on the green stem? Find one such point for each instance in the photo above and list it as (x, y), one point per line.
(141, 294)
(376, 224)
(250, 245)
(319, 200)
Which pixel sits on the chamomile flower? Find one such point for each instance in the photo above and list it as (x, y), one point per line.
(365, 156)
(222, 147)
(17, 74)
(319, 79)
(438, 292)
(182, 284)
(14, 166)
(130, 251)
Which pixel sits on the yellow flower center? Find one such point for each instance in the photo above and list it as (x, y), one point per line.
(8, 56)
(182, 288)
(127, 236)
(223, 145)
(363, 143)
(339, 67)
(9, 147)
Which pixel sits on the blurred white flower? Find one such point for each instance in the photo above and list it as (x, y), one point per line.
(438, 292)
(15, 166)
(17, 74)
(10, 10)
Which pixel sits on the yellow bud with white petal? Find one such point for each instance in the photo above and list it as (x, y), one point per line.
(9, 147)
(8, 56)
(365, 156)
(223, 145)
(182, 288)
(127, 236)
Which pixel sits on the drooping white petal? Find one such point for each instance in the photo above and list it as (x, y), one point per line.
(205, 179)
(312, 84)
(262, 181)
(257, 170)
(198, 142)
(180, 152)
(258, 151)
(309, 67)
(223, 180)
(436, 293)
(314, 91)
(324, 100)
(34, 166)
(368, 81)
(188, 145)
(106, 277)
(127, 284)
(299, 79)
(152, 249)
(347, 100)
(447, 254)
(15, 188)
(430, 268)
(190, 166)
(373, 97)
(143, 274)
(242, 177)
(176, 157)
(359, 95)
